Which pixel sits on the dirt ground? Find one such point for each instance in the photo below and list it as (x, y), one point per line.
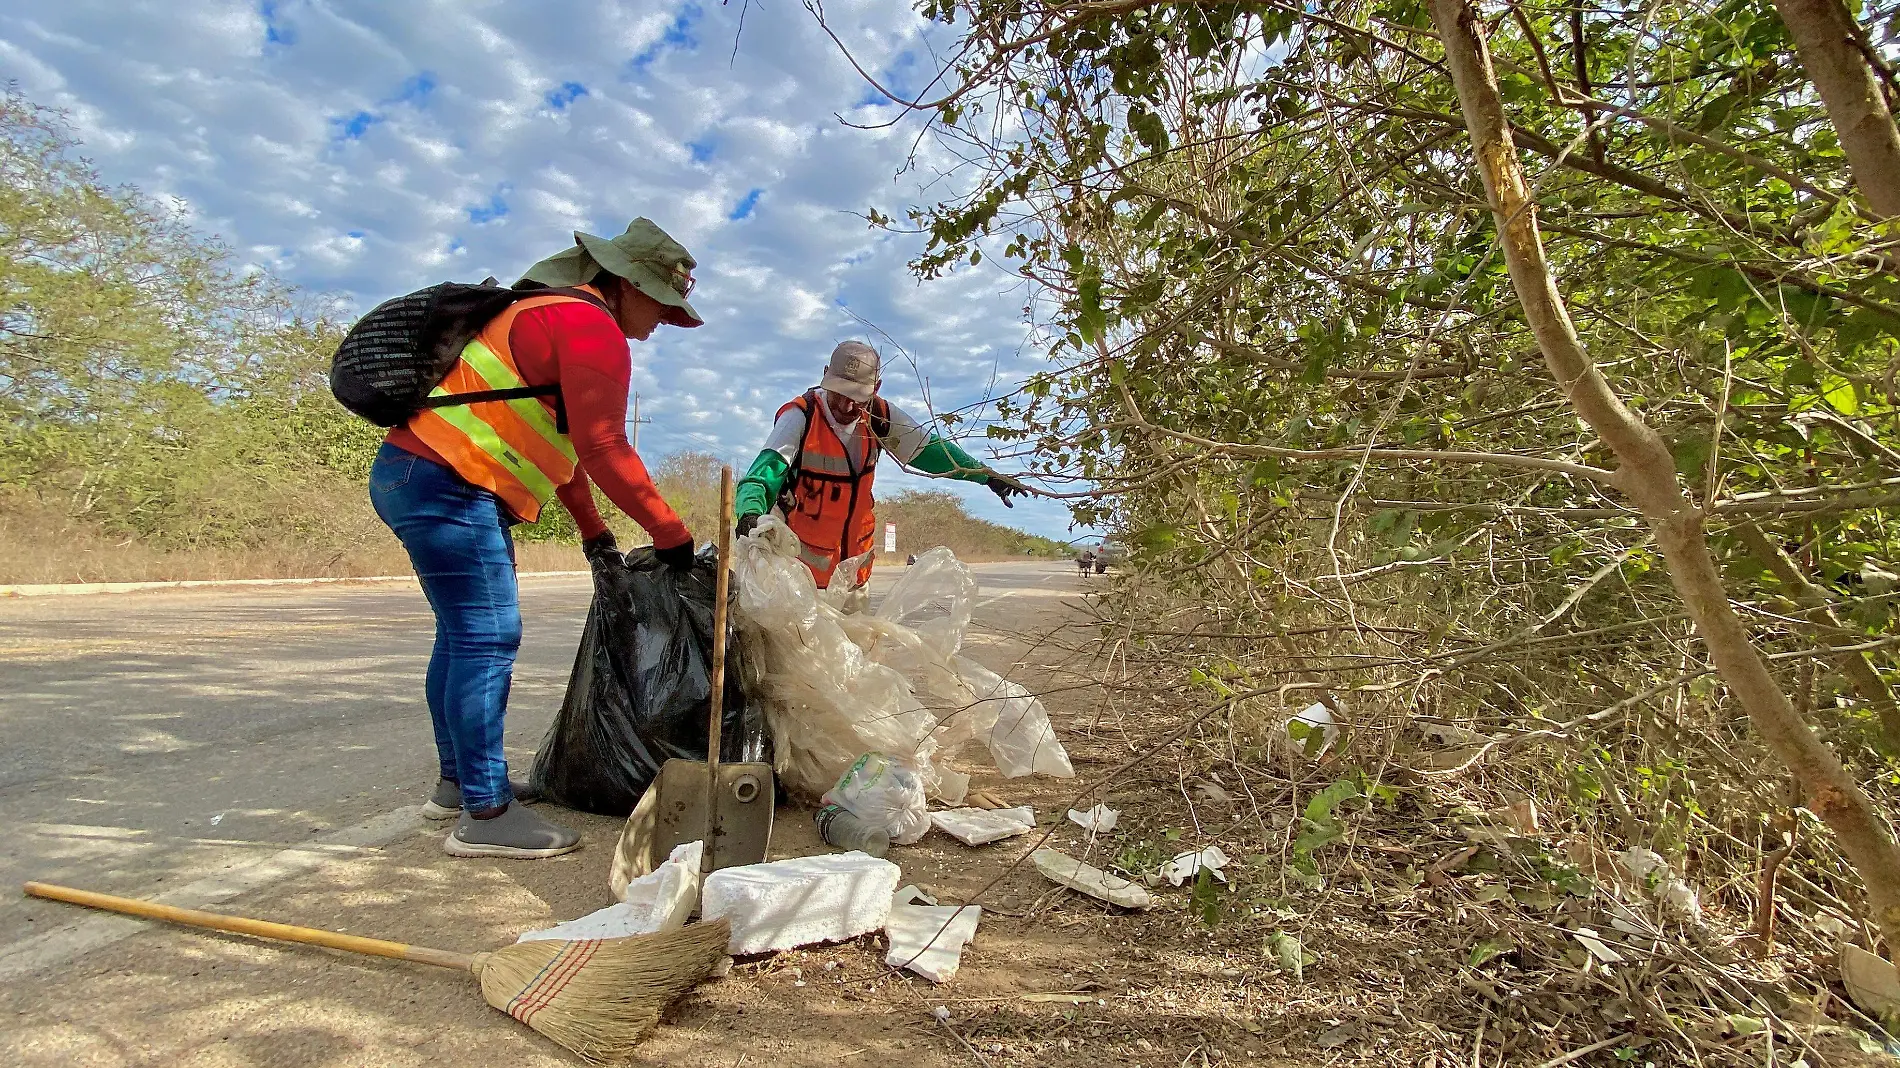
(1395, 973)
(1149, 990)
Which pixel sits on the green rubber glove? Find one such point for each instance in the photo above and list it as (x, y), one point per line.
(758, 491)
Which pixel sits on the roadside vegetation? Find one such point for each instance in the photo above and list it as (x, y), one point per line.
(165, 412)
(1519, 381)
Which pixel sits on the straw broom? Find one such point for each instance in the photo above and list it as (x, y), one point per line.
(597, 996)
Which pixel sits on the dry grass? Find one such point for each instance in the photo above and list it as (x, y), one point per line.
(44, 547)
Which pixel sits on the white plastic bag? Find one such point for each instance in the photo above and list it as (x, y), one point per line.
(883, 792)
(836, 685)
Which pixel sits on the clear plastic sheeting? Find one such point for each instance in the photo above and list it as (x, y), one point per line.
(837, 684)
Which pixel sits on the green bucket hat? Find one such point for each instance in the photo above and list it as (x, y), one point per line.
(656, 264)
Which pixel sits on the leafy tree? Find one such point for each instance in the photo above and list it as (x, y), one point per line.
(1307, 355)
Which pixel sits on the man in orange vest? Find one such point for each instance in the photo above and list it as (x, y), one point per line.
(821, 457)
(452, 480)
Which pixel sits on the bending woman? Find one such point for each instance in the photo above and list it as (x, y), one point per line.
(453, 480)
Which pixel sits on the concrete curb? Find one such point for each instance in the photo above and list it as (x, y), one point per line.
(65, 589)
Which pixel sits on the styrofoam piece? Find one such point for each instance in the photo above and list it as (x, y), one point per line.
(669, 892)
(981, 826)
(661, 900)
(1316, 717)
(786, 903)
(928, 938)
(1059, 867)
(1649, 869)
(1187, 865)
(1099, 820)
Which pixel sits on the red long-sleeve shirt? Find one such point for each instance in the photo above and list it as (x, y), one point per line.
(579, 347)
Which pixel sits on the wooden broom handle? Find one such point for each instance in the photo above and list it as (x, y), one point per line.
(282, 932)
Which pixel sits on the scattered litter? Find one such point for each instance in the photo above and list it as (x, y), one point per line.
(1099, 820)
(911, 893)
(1059, 867)
(986, 799)
(835, 685)
(979, 826)
(1334, 1037)
(1651, 871)
(217, 819)
(1449, 734)
(1213, 793)
(1831, 925)
(1593, 942)
(884, 792)
(926, 937)
(1873, 983)
(670, 892)
(660, 900)
(1186, 866)
(789, 903)
(942, 1013)
(1313, 731)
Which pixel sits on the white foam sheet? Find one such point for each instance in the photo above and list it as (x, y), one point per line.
(981, 826)
(928, 939)
(661, 900)
(783, 904)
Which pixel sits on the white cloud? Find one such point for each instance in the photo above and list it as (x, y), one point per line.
(364, 149)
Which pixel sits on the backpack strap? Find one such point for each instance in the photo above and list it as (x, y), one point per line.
(523, 291)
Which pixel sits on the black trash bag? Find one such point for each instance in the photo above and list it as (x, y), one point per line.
(639, 691)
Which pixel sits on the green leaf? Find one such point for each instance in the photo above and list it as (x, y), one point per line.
(1320, 808)
(1489, 949)
(1205, 900)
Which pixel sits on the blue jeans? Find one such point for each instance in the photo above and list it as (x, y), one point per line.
(458, 540)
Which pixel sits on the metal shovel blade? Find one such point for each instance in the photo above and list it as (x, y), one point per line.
(673, 812)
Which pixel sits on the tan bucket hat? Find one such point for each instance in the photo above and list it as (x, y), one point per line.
(854, 371)
(656, 264)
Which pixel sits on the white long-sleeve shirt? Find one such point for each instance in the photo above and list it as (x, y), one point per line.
(906, 439)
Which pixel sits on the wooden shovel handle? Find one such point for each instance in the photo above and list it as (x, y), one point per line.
(282, 932)
(721, 588)
(716, 701)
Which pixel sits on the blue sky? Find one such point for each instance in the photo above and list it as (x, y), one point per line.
(364, 149)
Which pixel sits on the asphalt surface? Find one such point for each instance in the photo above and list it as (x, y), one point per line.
(148, 740)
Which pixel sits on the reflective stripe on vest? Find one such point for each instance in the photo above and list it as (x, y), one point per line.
(832, 511)
(510, 447)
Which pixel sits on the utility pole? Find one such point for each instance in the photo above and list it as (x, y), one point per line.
(634, 438)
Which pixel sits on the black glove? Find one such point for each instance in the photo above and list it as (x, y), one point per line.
(1006, 487)
(679, 557)
(600, 548)
(746, 524)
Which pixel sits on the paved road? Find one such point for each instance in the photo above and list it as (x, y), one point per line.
(149, 740)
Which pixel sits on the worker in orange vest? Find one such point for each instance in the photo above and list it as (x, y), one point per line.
(821, 458)
(452, 480)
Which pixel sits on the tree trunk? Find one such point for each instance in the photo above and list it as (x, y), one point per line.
(1828, 40)
(1647, 474)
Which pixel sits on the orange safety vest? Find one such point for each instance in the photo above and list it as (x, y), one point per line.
(516, 448)
(826, 503)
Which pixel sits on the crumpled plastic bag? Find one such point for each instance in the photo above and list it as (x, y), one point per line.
(883, 792)
(835, 686)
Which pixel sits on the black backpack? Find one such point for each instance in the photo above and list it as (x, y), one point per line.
(391, 359)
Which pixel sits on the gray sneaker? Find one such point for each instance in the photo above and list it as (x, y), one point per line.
(446, 802)
(518, 833)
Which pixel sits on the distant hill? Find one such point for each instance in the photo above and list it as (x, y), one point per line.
(928, 518)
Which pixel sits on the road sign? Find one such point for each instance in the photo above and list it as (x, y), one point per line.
(890, 537)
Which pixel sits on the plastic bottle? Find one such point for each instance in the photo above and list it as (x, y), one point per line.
(837, 826)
